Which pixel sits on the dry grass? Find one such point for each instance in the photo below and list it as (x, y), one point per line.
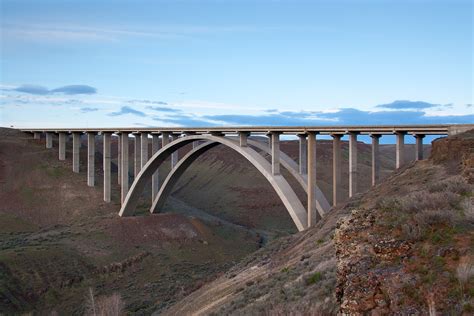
(105, 305)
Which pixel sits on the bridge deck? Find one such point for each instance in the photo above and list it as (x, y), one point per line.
(435, 129)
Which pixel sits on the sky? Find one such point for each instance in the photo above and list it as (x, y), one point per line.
(163, 63)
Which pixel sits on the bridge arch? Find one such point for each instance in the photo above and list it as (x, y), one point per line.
(278, 182)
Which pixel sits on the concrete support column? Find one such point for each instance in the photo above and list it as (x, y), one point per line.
(36, 135)
(336, 168)
(155, 180)
(119, 159)
(400, 149)
(76, 147)
(136, 155)
(303, 154)
(352, 164)
(90, 159)
(174, 155)
(419, 146)
(106, 165)
(62, 146)
(243, 136)
(275, 153)
(124, 165)
(49, 140)
(165, 139)
(375, 158)
(195, 144)
(313, 215)
(144, 149)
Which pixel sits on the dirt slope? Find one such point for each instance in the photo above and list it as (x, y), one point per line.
(403, 247)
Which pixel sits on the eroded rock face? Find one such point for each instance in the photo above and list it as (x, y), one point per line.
(371, 278)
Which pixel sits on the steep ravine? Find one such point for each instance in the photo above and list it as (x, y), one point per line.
(404, 247)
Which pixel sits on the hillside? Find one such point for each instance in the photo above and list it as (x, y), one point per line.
(404, 247)
(59, 240)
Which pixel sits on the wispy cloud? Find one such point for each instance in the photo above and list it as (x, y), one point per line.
(405, 104)
(127, 110)
(147, 102)
(87, 110)
(163, 109)
(70, 90)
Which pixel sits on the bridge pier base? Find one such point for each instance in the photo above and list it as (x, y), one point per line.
(36, 135)
(49, 140)
(62, 146)
(375, 159)
(336, 168)
(106, 165)
(124, 165)
(155, 180)
(90, 159)
(419, 146)
(303, 154)
(352, 164)
(400, 150)
(136, 154)
(76, 147)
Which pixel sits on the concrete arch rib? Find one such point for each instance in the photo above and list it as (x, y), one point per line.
(322, 204)
(279, 184)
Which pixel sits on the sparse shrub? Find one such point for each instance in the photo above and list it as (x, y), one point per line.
(464, 272)
(104, 306)
(316, 277)
(455, 184)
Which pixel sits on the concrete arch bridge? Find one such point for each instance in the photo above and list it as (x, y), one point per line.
(167, 141)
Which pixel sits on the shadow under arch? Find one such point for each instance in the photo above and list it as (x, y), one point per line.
(278, 182)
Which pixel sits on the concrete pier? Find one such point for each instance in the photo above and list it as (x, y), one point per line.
(313, 215)
(124, 165)
(62, 146)
(90, 159)
(49, 140)
(352, 164)
(243, 136)
(144, 149)
(303, 154)
(275, 153)
(106, 165)
(36, 135)
(119, 159)
(419, 146)
(336, 168)
(400, 149)
(155, 180)
(76, 147)
(137, 154)
(375, 158)
(174, 155)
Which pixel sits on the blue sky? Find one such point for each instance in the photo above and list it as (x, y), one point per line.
(204, 63)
